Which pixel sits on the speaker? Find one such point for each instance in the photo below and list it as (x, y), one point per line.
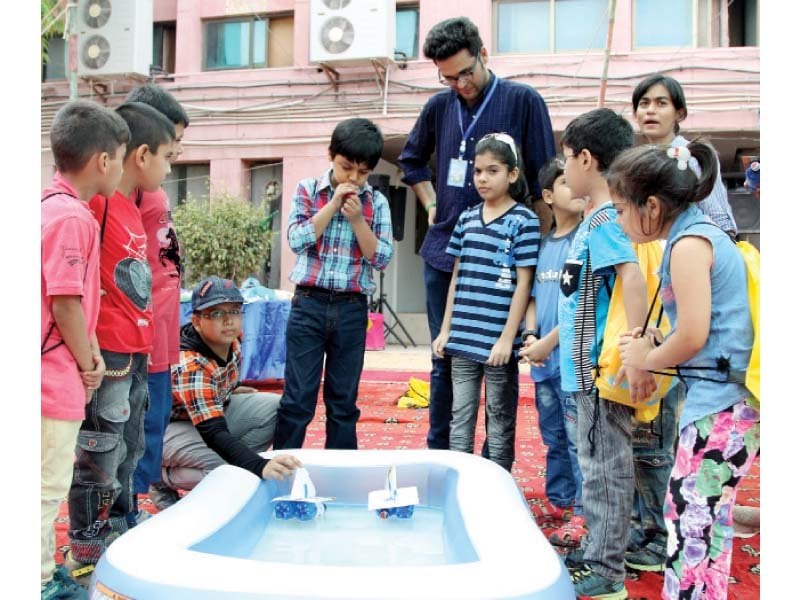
(396, 196)
(746, 211)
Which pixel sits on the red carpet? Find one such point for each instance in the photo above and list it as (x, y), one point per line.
(384, 426)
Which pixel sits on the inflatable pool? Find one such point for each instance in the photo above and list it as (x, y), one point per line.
(470, 537)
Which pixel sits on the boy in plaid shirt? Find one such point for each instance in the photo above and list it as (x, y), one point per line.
(215, 420)
(340, 229)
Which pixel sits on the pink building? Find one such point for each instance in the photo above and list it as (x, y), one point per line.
(263, 108)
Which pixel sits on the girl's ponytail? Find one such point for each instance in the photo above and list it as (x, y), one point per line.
(706, 158)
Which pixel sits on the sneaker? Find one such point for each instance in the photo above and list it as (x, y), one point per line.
(62, 587)
(546, 511)
(79, 572)
(574, 559)
(594, 586)
(570, 534)
(162, 495)
(644, 559)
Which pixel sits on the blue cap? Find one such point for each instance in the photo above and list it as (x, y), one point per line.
(215, 290)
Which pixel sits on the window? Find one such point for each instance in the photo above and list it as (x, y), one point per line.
(656, 27)
(266, 179)
(187, 182)
(249, 42)
(164, 46)
(695, 23)
(550, 25)
(58, 59)
(407, 31)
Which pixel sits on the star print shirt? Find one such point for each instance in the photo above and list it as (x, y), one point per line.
(599, 245)
(124, 324)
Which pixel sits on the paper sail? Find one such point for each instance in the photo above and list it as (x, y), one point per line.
(393, 497)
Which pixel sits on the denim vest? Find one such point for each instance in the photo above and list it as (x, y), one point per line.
(730, 337)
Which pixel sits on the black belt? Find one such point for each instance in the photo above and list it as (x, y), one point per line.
(329, 295)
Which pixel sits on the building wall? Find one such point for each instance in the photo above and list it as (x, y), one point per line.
(245, 116)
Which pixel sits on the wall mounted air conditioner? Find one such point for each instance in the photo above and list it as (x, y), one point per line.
(115, 37)
(351, 32)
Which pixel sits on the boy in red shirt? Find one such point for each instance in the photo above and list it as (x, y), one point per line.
(111, 439)
(88, 143)
(163, 256)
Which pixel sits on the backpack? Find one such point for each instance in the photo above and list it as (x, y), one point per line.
(609, 361)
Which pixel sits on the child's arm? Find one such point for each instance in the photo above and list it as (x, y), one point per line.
(444, 333)
(634, 296)
(375, 240)
(323, 218)
(92, 379)
(504, 346)
(71, 325)
(690, 269)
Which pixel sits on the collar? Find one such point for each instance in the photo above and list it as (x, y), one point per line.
(325, 182)
(61, 184)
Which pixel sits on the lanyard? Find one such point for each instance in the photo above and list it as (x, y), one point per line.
(464, 135)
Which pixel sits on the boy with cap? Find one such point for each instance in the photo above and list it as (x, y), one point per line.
(214, 420)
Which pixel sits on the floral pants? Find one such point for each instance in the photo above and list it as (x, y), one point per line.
(713, 455)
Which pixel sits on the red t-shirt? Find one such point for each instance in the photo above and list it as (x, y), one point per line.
(164, 260)
(125, 322)
(70, 267)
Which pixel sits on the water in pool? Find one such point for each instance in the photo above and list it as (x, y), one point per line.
(351, 535)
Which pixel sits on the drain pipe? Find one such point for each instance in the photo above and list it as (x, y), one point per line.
(612, 9)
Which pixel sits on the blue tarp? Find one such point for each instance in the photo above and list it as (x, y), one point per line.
(263, 337)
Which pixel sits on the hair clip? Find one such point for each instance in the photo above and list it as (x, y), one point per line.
(506, 139)
(681, 154)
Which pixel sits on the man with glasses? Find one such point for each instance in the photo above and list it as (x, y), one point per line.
(215, 420)
(450, 125)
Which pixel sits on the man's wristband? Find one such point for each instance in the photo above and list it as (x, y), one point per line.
(429, 206)
(528, 332)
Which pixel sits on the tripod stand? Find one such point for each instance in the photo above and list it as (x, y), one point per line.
(378, 305)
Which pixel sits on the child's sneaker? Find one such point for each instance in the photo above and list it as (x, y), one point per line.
(546, 511)
(79, 572)
(644, 559)
(62, 587)
(570, 534)
(594, 586)
(162, 495)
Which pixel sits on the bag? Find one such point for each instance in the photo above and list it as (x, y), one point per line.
(375, 339)
(752, 261)
(609, 361)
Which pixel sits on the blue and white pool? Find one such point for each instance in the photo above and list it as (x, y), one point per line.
(471, 537)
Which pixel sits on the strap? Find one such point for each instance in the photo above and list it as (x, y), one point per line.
(138, 198)
(103, 223)
(47, 337)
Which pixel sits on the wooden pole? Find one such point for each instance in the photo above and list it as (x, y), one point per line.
(612, 8)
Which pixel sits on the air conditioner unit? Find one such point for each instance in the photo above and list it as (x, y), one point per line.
(115, 37)
(352, 32)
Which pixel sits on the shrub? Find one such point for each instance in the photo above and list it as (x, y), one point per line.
(224, 236)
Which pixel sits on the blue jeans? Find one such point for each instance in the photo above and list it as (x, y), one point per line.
(558, 425)
(440, 409)
(653, 457)
(501, 408)
(331, 326)
(155, 424)
(606, 458)
(110, 444)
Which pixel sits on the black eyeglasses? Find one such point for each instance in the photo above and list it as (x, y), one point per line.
(219, 315)
(463, 77)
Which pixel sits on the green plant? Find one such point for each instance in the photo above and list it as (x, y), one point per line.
(224, 236)
(50, 24)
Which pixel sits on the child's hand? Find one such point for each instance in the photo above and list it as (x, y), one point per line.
(500, 354)
(92, 379)
(342, 192)
(351, 207)
(280, 467)
(535, 352)
(437, 346)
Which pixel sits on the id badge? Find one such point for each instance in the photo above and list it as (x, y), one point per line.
(457, 173)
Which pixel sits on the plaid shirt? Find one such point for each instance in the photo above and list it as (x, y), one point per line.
(201, 387)
(335, 261)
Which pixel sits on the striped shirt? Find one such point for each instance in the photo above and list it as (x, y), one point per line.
(334, 261)
(488, 254)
